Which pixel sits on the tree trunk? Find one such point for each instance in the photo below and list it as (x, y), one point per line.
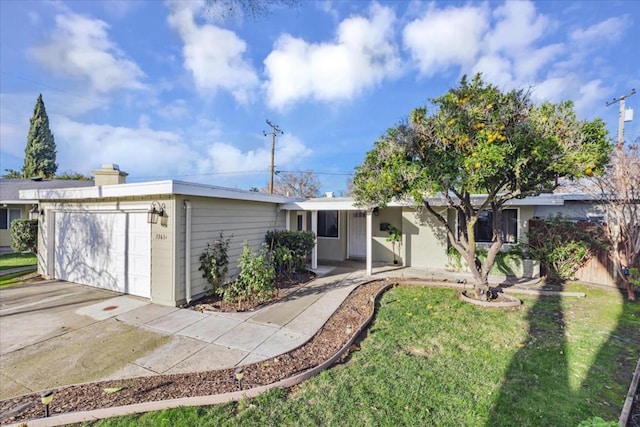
(631, 294)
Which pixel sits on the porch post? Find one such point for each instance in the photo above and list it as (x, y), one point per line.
(314, 228)
(287, 220)
(369, 241)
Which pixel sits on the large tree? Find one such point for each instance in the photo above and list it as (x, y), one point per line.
(619, 191)
(40, 152)
(296, 184)
(483, 142)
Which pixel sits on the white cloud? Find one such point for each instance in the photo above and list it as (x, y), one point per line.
(139, 151)
(176, 110)
(590, 93)
(362, 56)
(80, 48)
(495, 69)
(213, 55)
(584, 93)
(608, 30)
(529, 63)
(444, 38)
(227, 158)
(518, 27)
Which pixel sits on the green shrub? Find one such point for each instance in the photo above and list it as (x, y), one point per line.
(563, 246)
(634, 274)
(289, 250)
(256, 281)
(24, 235)
(214, 261)
(508, 263)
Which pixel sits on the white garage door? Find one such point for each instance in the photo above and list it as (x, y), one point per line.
(106, 250)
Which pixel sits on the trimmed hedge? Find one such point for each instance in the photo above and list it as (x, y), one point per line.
(24, 235)
(290, 250)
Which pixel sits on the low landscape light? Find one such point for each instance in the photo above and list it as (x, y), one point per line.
(46, 398)
(239, 374)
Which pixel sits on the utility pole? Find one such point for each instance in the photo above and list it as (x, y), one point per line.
(618, 177)
(274, 131)
(621, 118)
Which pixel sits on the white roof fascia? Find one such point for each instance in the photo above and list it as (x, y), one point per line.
(328, 204)
(118, 190)
(18, 202)
(203, 190)
(156, 188)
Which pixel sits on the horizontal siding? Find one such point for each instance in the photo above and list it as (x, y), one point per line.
(243, 221)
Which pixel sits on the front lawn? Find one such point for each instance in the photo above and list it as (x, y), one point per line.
(14, 260)
(429, 359)
(17, 260)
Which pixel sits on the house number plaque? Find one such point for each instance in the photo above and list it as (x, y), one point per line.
(161, 236)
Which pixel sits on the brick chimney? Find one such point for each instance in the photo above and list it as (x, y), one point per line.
(109, 174)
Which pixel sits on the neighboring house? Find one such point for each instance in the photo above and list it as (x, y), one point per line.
(12, 207)
(146, 238)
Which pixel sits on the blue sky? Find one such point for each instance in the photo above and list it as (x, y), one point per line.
(170, 90)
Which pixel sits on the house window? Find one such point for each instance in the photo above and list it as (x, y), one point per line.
(484, 226)
(328, 224)
(7, 216)
(299, 226)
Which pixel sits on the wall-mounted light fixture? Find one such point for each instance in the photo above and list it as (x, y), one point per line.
(376, 211)
(157, 210)
(34, 212)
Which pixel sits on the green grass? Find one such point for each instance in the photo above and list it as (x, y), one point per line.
(17, 260)
(14, 279)
(429, 359)
(14, 260)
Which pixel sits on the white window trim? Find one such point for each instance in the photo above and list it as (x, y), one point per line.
(8, 209)
(338, 226)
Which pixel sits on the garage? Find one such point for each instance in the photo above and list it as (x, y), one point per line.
(109, 250)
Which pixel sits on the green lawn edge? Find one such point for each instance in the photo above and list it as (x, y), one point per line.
(430, 359)
(13, 260)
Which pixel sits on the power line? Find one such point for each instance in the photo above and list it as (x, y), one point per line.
(240, 173)
(50, 87)
(316, 172)
(201, 174)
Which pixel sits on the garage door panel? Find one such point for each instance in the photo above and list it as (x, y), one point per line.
(106, 250)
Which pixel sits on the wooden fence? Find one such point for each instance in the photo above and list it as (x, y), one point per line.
(600, 268)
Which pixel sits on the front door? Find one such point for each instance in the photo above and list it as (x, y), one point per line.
(357, 226)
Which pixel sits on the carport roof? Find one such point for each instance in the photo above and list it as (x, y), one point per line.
(155, 188)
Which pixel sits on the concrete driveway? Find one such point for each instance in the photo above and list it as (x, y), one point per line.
(56, 333)
(50, 335)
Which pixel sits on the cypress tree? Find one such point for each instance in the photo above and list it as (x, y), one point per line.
(40, 152)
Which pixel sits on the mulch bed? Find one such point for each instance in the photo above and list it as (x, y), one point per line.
(341, 327)
(286, 285)
(634, 416)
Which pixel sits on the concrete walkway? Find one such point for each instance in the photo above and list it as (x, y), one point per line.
(216, 340)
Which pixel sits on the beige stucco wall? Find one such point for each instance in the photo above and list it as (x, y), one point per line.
(425, 240)
(5, 235)
(381, 250)
(243, 221)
